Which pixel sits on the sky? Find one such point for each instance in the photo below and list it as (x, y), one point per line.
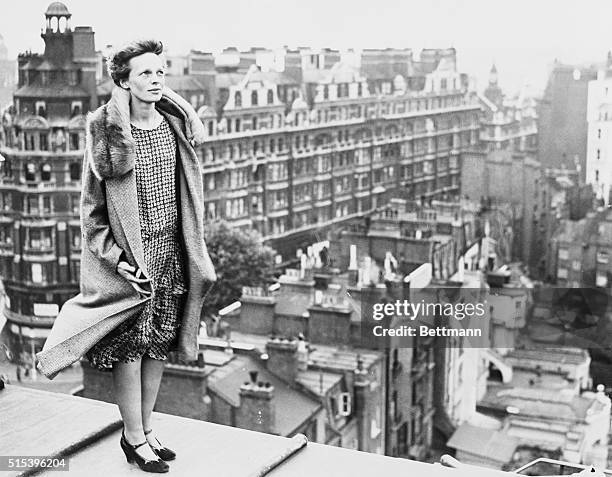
(522, 37)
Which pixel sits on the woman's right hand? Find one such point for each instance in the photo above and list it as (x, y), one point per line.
(133, 275)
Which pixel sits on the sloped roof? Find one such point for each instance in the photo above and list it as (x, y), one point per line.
(225, 80)
(51, 91)
(488, 443)
(183, 83)
(543, 403)
(293, 407)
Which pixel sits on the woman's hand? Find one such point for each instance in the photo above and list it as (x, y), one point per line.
(134, 276)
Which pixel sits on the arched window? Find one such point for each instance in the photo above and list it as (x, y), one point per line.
(237, 99)
(270, 96)
(253, 98)
(45, 172)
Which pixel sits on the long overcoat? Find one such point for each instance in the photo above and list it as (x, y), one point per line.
(110, 225)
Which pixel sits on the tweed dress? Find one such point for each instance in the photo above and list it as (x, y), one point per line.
(153, 331)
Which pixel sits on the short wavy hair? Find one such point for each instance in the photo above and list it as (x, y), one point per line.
(118, 62)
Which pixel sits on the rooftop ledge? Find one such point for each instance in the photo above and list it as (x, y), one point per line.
(87, 432)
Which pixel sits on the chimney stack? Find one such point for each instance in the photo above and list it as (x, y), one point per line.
(283, 358)
(257, 310)
(257, 411)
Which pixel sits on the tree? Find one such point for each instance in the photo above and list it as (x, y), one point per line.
(240, 259)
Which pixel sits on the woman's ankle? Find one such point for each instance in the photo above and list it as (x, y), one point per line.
(134, 436)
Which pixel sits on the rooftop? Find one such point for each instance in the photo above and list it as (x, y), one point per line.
(293, 407)
(87, 432)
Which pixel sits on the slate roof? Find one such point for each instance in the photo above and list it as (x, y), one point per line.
(52, 91)
(488, 443)
(293, 407)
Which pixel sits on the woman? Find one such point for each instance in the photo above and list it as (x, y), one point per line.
(145, 270)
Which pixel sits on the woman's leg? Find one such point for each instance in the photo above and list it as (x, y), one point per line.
(151, 374)
(127, 386)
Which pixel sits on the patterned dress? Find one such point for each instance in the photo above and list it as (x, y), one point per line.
(152, 332)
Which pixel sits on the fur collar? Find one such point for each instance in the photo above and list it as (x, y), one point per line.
(109, 137)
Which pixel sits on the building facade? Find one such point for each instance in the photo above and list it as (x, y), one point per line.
(599, 133)
(561, 117)
(40, 236)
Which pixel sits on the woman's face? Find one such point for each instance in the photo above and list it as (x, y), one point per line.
(147, 77)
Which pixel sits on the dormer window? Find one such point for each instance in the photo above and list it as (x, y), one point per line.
(76, 108)
(325, 92)
(238, 99)
(41, 108)
(270, 96)
(254, 99)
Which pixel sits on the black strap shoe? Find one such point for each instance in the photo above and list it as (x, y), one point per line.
(162, 452)
(154, 466)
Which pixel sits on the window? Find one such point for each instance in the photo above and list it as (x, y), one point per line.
(601, 280)
(75, 269)
(344, 404)
(602, 257)
(272, 144)
(210, 128)
(41, 108)
(562, 273)
(46, 200)
(237, 125)
(75, 171)
(576, 265)
(325, 92)
(75, 204)
(74, 141)
(30, 172)
(359, 89)
(270, 96)
(563, 254)
(43, 142)
(254, 122)
(45, 172)
(254, 98)
(39, 239)
(77, 108)
(36, 273)
(237, 101)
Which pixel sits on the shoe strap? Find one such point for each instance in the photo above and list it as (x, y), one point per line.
(138, 445)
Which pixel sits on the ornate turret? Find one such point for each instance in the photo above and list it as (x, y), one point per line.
(493, 92)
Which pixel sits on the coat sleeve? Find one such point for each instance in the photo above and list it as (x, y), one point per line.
(95, 227)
